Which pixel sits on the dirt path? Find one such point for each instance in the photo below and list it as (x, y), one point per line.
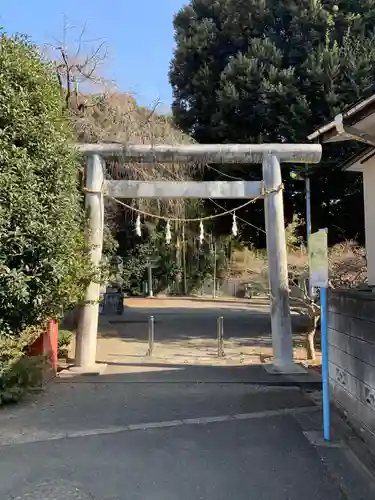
(185, 332)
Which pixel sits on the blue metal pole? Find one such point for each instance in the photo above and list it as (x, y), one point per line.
(325, 371)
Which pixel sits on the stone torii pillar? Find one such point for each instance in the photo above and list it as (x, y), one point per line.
(86, 340)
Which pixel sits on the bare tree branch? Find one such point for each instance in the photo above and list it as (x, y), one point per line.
(100, 113)
(77, 63)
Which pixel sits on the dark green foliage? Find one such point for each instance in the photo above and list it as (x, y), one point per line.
(151, 248)
(64, 341)
(43, 265)
(168, 274)
(253, 71)
(18, 372)
(19, 376)
(200, 269)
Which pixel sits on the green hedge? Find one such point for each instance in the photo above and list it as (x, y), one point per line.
(43, 263)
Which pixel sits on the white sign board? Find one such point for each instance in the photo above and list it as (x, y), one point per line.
(318, 258)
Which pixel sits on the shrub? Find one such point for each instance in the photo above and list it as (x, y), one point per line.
(19, 376)
(18, 372)
(65, 338)
(43, 264)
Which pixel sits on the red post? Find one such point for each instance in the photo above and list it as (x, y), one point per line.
(47, 345)
(50, 343)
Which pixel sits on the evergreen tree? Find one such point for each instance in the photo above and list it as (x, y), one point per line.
(253, 71)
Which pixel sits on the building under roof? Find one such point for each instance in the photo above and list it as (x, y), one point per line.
(357, 123)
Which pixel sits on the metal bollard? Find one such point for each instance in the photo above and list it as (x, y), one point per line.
(220, 337)
(150, 336)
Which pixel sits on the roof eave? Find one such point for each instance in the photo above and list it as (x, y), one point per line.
(356, 162)
(330, 132)
(321, 131)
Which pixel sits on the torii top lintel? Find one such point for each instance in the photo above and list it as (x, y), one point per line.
(206, 153)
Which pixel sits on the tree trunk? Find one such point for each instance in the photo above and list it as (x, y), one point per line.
(310, 347)
(310, 340)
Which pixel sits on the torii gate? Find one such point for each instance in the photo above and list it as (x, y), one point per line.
(269, 155)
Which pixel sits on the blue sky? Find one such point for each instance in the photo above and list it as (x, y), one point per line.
(139, 34)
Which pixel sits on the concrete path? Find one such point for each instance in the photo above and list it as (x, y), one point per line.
(173, 431)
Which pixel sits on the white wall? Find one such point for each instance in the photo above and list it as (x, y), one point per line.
(369, 200)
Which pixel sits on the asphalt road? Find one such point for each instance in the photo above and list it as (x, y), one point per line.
(146, 435)
(115, 440)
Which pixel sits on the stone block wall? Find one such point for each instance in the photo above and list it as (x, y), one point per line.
(351, 338)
